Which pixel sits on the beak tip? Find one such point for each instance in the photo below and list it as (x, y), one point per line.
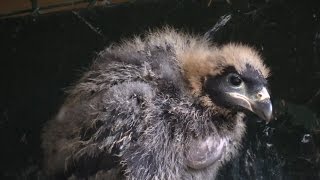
(264, 110)
(268, 115)
(268, 119)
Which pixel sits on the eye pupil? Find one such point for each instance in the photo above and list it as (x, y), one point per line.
(235, 80)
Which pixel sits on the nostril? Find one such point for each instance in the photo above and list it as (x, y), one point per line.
(259, 95)
(262, 95)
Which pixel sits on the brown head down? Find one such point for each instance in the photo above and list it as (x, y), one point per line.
(207, 69)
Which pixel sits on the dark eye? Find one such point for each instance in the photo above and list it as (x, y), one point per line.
(235, 80)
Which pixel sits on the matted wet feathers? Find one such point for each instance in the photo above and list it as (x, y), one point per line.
(141, 105)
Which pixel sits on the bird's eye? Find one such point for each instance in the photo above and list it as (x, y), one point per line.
(235, 80)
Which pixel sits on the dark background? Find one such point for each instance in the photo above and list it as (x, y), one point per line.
(42, 55)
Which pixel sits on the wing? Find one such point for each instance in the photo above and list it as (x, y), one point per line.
(101, 118)
(108, 110)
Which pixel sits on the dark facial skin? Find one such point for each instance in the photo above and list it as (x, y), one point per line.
(241, 92)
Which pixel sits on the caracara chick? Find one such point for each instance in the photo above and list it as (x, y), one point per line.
(167, 106)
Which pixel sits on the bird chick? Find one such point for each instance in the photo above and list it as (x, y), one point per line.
(166, 106)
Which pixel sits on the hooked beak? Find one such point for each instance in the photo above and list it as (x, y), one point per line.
(259, 103)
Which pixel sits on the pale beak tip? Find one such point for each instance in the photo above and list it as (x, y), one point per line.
(263, 110)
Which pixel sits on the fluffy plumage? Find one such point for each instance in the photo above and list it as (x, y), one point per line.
(145, 111)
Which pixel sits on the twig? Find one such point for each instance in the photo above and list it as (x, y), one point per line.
(94, 29)
(312, 99)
